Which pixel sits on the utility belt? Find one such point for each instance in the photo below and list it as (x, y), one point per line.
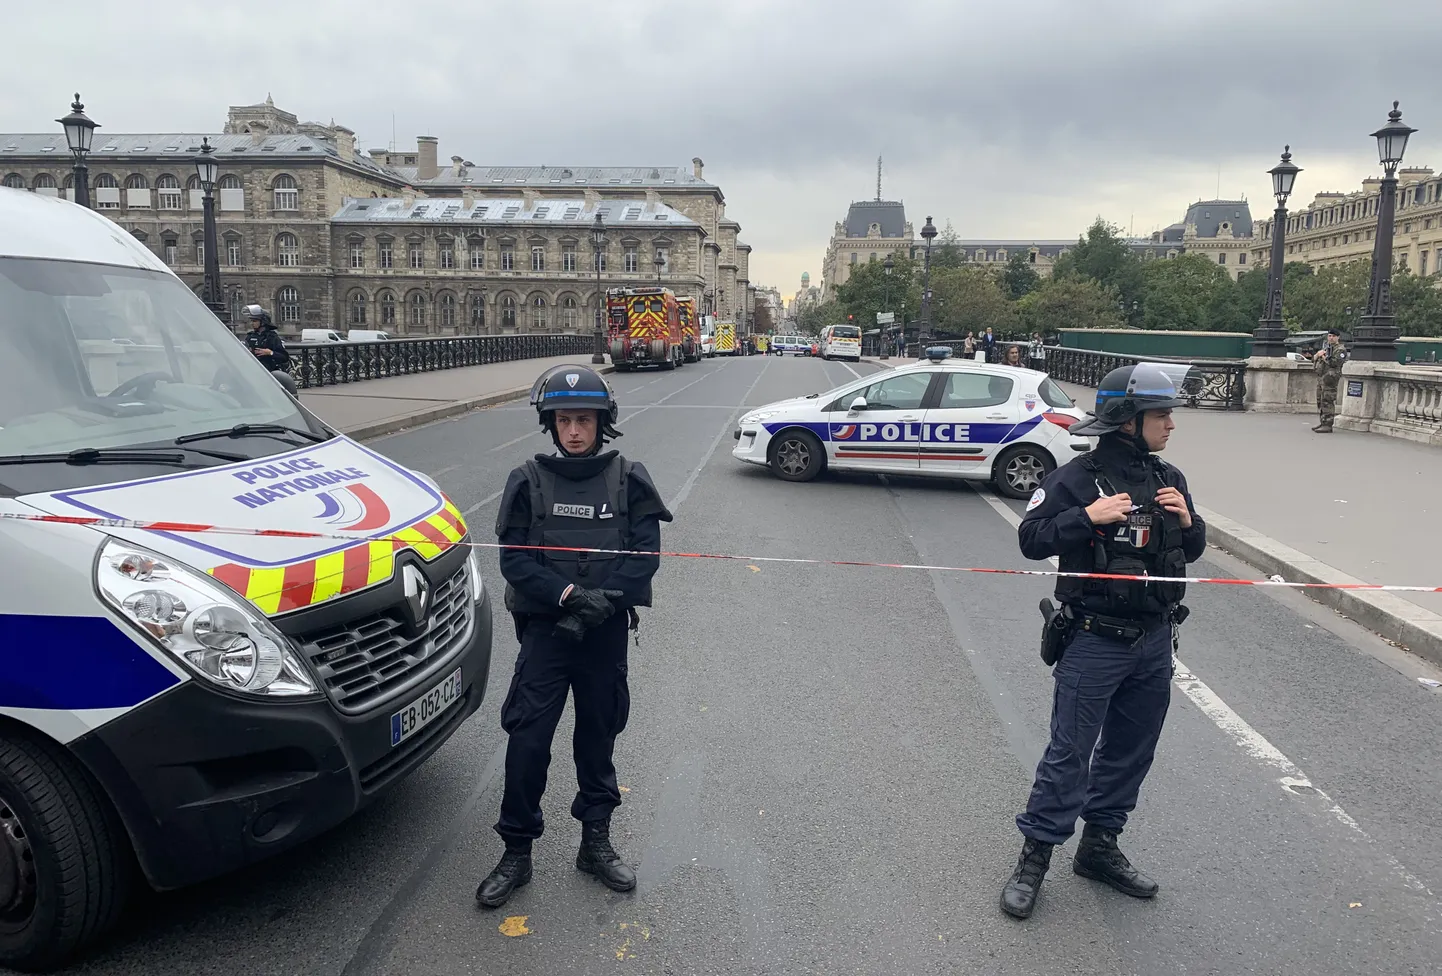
(1061, 625)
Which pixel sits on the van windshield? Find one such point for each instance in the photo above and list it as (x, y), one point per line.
(845, 332)
(96, 356)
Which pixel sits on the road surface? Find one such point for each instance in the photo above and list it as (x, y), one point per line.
(823, 764)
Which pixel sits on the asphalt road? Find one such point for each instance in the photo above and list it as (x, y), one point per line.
(823, 764)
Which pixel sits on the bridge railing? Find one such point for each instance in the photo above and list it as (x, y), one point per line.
(316, 364)
(1219, 383)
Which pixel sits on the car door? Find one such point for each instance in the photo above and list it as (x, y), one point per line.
(886, 435)
(974, 415)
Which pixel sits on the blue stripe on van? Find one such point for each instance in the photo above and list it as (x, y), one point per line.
(72, 663)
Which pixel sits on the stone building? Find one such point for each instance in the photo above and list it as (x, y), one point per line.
(1337, 228)
(1220, 230)
(872, 230)
(303, 217)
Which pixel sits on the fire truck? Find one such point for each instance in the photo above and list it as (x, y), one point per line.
(690, 331)
(645, 328)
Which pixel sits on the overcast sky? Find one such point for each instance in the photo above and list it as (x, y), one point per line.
(1015, 120)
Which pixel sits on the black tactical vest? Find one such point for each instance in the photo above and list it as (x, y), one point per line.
(590, 513)
(1148, 543)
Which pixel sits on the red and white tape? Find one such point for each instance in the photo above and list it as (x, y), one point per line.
(195, 527)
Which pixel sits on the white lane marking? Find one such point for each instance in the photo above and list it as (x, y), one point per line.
(482, 503)
(851, 371)
(725, 428)
(1249, 740)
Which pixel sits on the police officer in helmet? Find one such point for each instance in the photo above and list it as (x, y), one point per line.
(1121, 510)
(264, 341)
(572, 611)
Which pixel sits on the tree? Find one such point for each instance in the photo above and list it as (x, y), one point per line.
(1322, 298)
(1418, 303)
(1103, 256)
(1070, 303)
(1020, 278)
(1184, 294)
(815, 317)
(969, 300)
(870, 290)
(947, 253)
(762, 320)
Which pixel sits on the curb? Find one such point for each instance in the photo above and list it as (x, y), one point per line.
(393, 425)
(1400, 621)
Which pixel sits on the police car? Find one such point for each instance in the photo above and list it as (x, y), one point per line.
(939, 417)
(176, 703)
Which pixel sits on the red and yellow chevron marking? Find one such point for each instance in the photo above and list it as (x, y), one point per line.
(303, 584)
(687, 310)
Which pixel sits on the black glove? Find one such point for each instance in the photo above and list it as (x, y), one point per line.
(570, 628)
(592, 607)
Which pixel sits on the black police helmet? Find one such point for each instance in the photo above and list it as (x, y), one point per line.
(1125, 393)
(574, 387)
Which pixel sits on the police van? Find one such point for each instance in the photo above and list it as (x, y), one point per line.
(174, 703)
(939, 418)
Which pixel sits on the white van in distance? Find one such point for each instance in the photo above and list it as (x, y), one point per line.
(321, 335)
(368, 335)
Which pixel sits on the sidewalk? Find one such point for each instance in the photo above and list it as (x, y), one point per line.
(1341, 507)
(371, 408)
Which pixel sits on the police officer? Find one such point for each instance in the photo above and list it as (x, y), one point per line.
(1328, 362)
(264, 341)
(1119, 510)
(571, 611)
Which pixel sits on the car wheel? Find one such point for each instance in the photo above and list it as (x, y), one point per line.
(1020, 471)
(65, 861)
(796, 455)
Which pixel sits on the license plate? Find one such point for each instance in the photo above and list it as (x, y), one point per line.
(421, 712)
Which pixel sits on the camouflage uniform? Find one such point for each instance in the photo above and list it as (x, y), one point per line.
(1329, 375)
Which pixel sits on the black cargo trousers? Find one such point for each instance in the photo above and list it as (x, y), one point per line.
(547, 667)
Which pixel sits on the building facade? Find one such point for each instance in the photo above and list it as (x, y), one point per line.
(872, 230)
(327, 236)
(1338, 228)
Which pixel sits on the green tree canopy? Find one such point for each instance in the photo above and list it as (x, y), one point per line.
(1070, 303)
(1418, 302)
(1102, 255)
(1019, 278)
(818, 316)
(947, 253)
(1320, 300)
(968, 299)
(1184, 294)
(870, 290)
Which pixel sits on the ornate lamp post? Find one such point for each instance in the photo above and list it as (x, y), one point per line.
(659, 262)
(207, 168)
(1375, 339)
(598, 241)
(928, 232)
(887, 266)
(79, 131)
(1269, 338)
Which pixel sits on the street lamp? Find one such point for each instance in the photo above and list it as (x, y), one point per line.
(207, 168)
(598, 241)
(1375, 339)
(79, 130)
(1269, 338)
(660, 262)
(887, 266)
(928, 232)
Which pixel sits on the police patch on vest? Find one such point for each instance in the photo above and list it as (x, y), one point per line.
(1037, 497)
(1137, 530)
(573, 511)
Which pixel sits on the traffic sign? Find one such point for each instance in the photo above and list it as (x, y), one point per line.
(885, 318)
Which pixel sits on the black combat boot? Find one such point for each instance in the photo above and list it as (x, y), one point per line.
(1018, 898)
(513, 872)
(1322, 428)
(598, 857)
(1098, 858)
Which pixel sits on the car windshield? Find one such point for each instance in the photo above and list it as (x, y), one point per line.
(96, 356)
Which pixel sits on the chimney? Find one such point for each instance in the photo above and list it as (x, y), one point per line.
(696, 166)
(427, 168)
(457, 164)
(468, 199)
(344, 142)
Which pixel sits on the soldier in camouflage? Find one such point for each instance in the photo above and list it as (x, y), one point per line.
(1328, 362)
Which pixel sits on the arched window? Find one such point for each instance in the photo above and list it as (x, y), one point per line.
(137, 182)
(15, 181)
(287, 197)
(107, 192)
(417, 315)
(358, 308)
(105, 182)
(569, 314)
(167, 190)
(287, 302)
(287, 251)
(44, 183)
(448, 310)
(388, 308)
(538, 314)
(508, 312)
(478, 312)
(227, 182)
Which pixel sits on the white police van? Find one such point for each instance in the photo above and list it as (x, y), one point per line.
(939, 417)
(186, 703)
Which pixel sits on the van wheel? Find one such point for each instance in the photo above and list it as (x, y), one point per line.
(796, 455)
(66, 868)
(1020, 471)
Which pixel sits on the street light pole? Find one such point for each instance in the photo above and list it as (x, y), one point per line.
(660, 262)
(79, 130)
(598, 240)
(207, 169)
(928, 232)
(1269, 338)
(1375, 339)
(887, 267)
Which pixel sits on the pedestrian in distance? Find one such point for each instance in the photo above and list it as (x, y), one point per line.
(968, 345)
(1037, 353)
(988, 346)
(1328, 362)
(571, 610)
(1118, 510)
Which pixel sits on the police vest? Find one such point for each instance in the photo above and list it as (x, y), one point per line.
(1148, 543)
(590, 513)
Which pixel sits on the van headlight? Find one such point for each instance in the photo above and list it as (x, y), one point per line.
(758, 416)
(201, 623)
(473, 574)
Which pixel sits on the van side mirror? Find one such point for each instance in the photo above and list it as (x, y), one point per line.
(858, 404)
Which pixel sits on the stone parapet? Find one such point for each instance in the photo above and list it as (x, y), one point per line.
(1276, 384)
(1399, 401)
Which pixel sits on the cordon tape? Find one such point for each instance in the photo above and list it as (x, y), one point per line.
(403, 541)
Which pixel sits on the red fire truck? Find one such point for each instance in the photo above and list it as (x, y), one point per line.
(645, 328)
(690, 331)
